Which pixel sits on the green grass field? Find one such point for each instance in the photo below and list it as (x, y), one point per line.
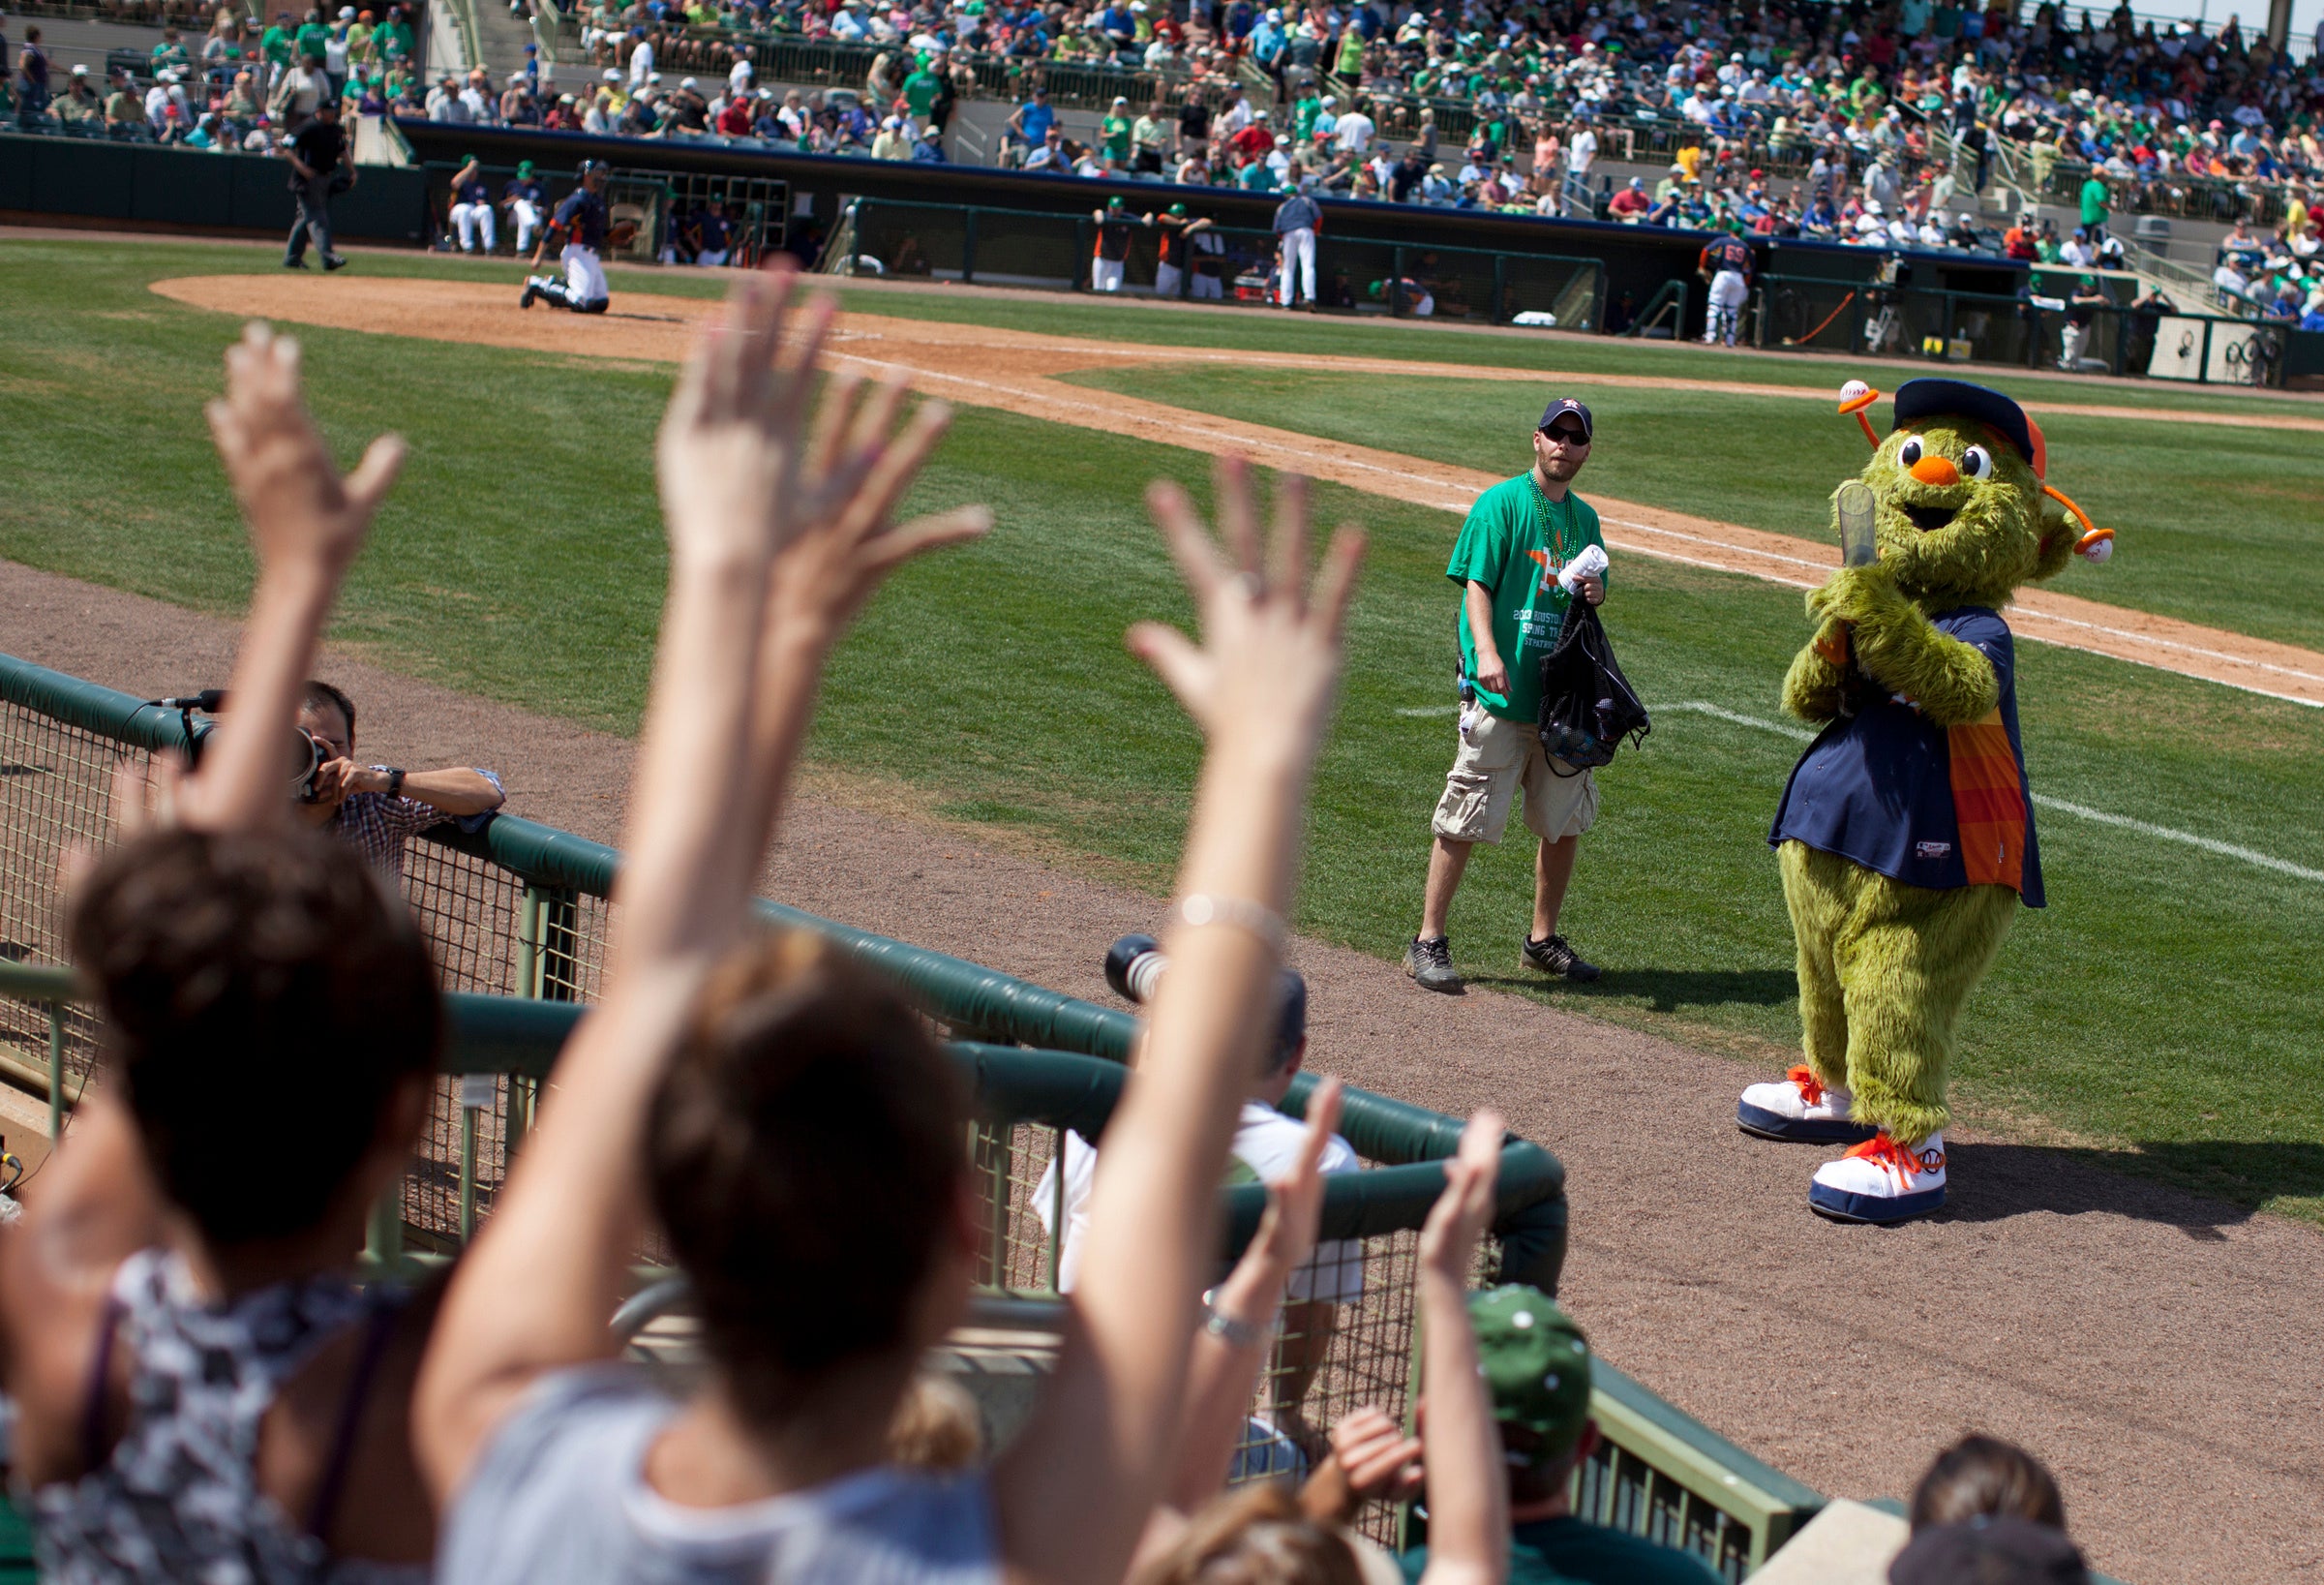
(2156, 1013)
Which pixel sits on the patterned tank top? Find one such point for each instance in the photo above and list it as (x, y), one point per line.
(177, 1498)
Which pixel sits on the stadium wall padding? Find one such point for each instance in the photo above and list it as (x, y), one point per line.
(146, 183)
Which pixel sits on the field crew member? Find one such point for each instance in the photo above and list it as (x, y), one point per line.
(1727, 265)
(582, 220)
(1518, 538)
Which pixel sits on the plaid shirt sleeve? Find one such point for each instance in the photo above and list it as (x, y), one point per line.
(380, 825)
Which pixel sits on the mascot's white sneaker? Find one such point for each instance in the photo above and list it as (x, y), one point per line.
(1801, 1111)
(1882, 1181)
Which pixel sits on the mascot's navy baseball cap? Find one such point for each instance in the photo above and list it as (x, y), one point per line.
(1948, 398)
(1560, 407)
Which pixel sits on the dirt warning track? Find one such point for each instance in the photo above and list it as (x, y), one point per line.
(1016, 372)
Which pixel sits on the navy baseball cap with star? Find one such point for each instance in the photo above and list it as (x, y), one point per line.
(1560, 407)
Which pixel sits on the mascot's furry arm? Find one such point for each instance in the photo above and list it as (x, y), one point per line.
(1901, 650)
(1812, 690)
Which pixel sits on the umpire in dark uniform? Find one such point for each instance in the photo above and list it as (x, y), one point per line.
(319, 155)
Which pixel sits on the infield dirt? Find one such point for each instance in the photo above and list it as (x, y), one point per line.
(1012, 370)
(2160, 1351)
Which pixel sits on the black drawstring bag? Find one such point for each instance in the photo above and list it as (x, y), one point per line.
(1587, 706)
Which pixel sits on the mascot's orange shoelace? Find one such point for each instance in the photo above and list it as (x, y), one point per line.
(1811, 1089)
(1886, 1154)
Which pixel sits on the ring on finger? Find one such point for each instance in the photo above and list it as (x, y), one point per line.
(1248, 585)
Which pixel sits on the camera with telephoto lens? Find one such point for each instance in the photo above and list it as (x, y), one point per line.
(1135, 965)
(308, 754)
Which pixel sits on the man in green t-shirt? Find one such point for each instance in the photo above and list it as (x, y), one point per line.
(1517, 540)
(1535, 1363)
(2094, 207)
(920, 89)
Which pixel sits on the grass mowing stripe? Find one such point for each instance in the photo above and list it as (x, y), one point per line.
(2210, 845)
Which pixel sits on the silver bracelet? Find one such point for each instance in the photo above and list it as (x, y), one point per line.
(1199, 908)
(1239, 1334)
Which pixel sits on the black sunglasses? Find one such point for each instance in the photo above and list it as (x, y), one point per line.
(1571, 437)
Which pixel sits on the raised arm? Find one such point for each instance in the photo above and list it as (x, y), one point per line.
(306, 525)
(1467, 1482)
(1074, 1490)
(535, 1292)
(1228, 1353)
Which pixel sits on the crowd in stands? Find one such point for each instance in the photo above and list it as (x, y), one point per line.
(202, 1385)
(234, 85)
(1905, 105)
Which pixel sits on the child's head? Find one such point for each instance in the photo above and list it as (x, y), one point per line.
(1983, 1477)
(806, 1156)
(1257, 1536)
(265, 987)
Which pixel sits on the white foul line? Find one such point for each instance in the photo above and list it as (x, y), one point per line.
(2081, 811)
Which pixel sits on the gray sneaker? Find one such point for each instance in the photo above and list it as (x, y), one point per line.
(1430, 962)
(1556, 956)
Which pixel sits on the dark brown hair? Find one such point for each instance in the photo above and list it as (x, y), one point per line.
(805, 1152)
(1983, 1477)
(1257, 1536)
(323, 696)
(262, 999)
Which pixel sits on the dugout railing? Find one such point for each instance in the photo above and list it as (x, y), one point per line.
(516, 915)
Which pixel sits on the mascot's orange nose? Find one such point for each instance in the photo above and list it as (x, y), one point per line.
(1935, 470)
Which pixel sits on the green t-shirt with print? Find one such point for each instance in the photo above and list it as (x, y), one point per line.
(1515, 543)
(920, 89)
(313, 40)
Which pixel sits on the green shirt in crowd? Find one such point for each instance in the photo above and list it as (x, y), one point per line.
(920, 89)
(2093, 202)
(1571, 1551)
(1516, 543)
(275, 45)
(1113, 135)
(313, 39)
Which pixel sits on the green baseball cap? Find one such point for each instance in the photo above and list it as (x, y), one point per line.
(1179, 209)
(1536, 1364)
(1114, 203)
(523, 168)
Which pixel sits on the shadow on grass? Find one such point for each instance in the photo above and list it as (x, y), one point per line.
(2200, 1186)
(1663, 989)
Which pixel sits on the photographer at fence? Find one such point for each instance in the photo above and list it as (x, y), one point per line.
(1266, 1144)
(379, 808)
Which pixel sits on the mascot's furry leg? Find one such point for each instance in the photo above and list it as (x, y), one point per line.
(1883, 970)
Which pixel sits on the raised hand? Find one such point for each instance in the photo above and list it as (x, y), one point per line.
(1457, 1222)
(729, 448)
(859, 463)
(1270, 651)
(1286, 1234)
(1378, 1461)
(299, 509)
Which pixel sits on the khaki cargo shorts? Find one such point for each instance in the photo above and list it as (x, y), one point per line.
(1497, 758)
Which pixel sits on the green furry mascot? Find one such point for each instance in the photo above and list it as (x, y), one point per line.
(1906, 832)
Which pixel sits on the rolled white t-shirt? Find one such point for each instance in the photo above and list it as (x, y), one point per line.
(1266, 1144)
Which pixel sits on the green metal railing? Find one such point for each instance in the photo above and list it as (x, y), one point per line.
(516, 917)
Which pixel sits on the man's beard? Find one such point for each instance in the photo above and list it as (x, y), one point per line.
(1561, 471)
